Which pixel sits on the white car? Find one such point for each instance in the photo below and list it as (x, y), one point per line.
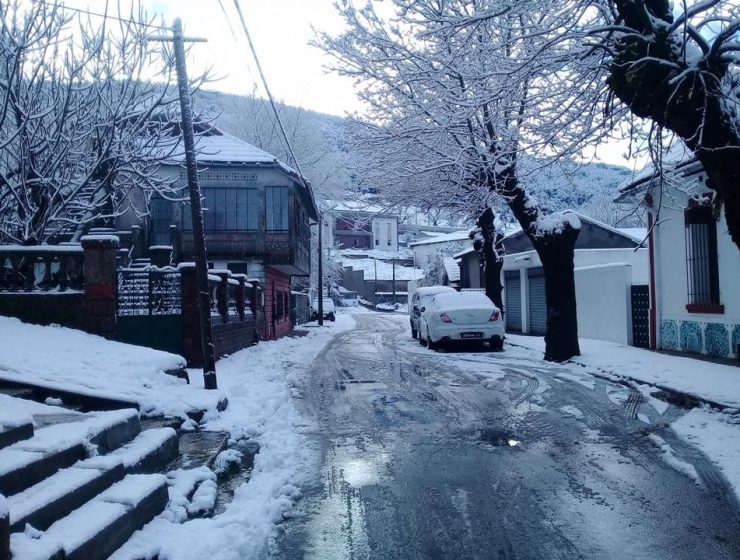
(461, 317)
(422, 296)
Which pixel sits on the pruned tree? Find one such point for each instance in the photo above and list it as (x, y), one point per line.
(677, 65)
(83, 128)
(452, 109)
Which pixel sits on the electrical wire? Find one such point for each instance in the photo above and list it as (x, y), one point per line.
(104, 16)
(269, 94)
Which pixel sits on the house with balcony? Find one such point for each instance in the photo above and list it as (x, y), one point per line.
(256, 214)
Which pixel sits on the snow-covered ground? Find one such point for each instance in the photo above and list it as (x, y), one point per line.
(384, 269)
(71, 360)
(715, 433)
(718, 383)
(261, 383)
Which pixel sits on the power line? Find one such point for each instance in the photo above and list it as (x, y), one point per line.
(104, 16)
(269, 93)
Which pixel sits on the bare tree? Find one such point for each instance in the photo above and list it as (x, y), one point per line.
(83, 128)
(452, 109)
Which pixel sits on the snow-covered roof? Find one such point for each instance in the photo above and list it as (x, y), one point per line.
(444, 238)
(452, 269)
(217, 147)
(675, 157)
(631, 233)
(433, 290)
(463, 252)
(638, 234)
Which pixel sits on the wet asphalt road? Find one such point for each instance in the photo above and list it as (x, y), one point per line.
(494, 456)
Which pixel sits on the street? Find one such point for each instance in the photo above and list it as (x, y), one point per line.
(494, 455)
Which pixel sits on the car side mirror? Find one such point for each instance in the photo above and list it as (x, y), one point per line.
(422, 310)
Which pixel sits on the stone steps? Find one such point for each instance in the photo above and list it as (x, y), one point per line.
(78, 484)
(95, 530)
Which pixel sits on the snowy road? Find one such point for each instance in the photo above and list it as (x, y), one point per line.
(477, 455)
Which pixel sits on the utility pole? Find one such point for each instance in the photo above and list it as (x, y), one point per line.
(199, 242)
(393, 261)
(321, 272)
(375, 283)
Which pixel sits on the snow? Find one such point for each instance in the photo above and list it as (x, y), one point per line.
(132, 489)
(132, 453)
(384, 269)
(718, 436)
(548, 224)
(182, 484)
(714, 382)
(462, 300)
(670, 458)
(261, 383)
(49, 490)
(444, 238)
(570, 410)
(41, 248)
(452, 269)
(75, 361)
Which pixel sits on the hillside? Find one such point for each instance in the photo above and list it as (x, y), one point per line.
(323, 148)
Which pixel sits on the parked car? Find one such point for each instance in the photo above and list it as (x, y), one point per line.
(328, 309)
(461, 317)
(422, 296)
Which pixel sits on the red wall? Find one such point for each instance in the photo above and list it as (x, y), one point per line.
(276, 282)
(347, 241)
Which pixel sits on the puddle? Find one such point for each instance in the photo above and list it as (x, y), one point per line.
(497, 438)
(199, 448)
(235, 475)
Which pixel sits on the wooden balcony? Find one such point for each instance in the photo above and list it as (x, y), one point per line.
(280, 250)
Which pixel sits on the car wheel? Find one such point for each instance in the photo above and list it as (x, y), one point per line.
(331, 317)
(431, 344)
(497, 344)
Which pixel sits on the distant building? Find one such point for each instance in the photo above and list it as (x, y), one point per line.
(350, 227)
(611, 283)
(694, 265)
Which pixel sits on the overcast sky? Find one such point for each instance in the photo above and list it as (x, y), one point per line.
(281, 31)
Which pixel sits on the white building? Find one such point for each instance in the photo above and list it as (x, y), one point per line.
(694, 265)
(611, 274)
(444, 245)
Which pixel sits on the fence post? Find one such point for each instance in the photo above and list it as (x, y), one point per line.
(99, 273)
(222, 294)
(191, 346)
(241, 295)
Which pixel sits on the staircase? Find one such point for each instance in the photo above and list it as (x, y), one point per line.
(78, 489)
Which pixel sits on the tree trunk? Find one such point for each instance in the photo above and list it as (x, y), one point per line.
(557, 253)
(491, 250)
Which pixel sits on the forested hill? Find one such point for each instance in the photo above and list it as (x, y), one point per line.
(324, 151)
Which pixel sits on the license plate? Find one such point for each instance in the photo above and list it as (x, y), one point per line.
(471, 335)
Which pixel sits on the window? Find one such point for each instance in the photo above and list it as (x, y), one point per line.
(702, 268)
(276, 205)
(227, 209)
(279, 307)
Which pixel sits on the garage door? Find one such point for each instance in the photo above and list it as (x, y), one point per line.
(513, 303)
(537, 302)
